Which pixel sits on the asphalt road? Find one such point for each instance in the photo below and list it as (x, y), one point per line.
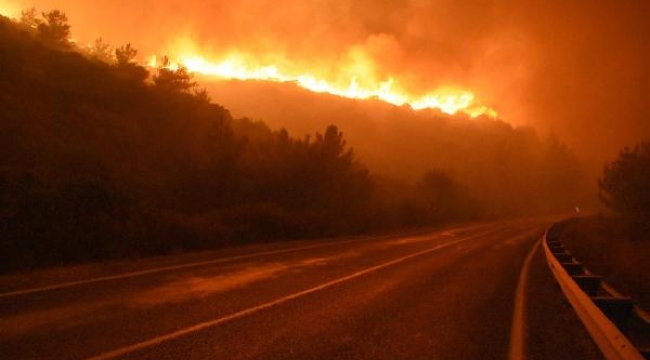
(446, 294)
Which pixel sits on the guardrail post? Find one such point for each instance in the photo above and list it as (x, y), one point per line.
(573, 268)
(564, 257)
(618, 310)
(553, 242)
(557, 250)
(552, 235)
(590, 284)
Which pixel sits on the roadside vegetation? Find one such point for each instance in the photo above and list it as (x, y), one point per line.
(616, 244)
(103, 158)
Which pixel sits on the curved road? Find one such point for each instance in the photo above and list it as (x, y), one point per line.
(446, 294)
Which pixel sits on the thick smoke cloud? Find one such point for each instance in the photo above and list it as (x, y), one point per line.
(576, 68)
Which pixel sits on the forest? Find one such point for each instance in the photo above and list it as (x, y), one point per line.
(104, 158)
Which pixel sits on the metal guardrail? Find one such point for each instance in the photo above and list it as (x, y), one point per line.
(603, 316)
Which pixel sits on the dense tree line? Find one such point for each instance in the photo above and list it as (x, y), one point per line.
(514, 170)
(101, 159)
(625, 182)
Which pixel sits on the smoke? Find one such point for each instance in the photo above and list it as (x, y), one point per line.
(577, 69)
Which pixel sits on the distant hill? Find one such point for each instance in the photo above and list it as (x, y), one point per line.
(510, 168)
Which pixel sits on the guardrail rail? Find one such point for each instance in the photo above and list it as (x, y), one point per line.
(605, 313)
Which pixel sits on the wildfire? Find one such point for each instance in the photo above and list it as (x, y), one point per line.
(355, 86)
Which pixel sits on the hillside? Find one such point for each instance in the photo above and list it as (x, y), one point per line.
(510, 168)
(103, 159)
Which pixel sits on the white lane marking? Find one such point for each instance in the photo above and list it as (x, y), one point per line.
(516, 350)
(203, 263)
(176, 267)
(204, 325)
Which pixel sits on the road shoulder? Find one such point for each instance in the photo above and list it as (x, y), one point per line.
(553, 330)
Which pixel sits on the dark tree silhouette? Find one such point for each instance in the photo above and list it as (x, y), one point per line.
(125, 55)
(175, 80)
(29, 18)
(625, 183)
(126, 67)
(54, 30)
(102, 51)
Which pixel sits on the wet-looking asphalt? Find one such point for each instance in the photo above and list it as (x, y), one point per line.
(445, 294)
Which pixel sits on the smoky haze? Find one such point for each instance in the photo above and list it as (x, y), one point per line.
(576, 69)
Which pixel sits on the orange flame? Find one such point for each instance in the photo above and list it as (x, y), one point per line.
(360, 84)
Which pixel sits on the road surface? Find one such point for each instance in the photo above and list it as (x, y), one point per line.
(445, 294)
